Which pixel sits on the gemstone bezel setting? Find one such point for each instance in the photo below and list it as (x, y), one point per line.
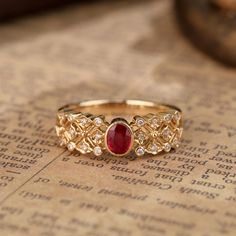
(123, 122)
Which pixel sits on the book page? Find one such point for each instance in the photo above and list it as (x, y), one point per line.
(130, 50)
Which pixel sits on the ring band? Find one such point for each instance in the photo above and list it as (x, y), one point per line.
(141, 126)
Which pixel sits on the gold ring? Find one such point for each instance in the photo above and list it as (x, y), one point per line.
(119, 126)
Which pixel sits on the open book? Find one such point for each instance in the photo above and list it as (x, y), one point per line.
(113, 50)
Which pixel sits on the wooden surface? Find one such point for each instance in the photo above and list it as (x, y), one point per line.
(210, 27)
(14, 8)
(226, 4)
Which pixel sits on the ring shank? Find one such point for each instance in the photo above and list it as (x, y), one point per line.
(130, 107)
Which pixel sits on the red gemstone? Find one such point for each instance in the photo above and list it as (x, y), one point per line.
(119, 138)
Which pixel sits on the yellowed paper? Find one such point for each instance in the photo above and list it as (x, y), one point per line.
(113, 50)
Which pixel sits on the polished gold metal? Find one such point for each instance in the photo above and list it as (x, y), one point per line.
(155, 127)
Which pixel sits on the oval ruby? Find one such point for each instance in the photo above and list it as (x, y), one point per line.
(119, 139)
